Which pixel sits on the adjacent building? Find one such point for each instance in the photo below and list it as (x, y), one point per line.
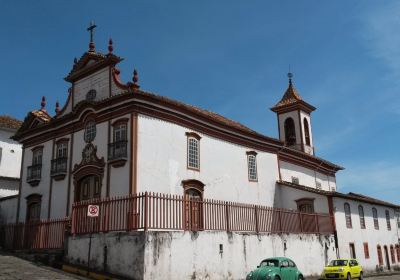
(10, 166)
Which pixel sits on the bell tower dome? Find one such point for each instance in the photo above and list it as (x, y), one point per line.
(294, 120)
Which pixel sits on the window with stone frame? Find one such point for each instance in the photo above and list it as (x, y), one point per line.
(375, 217)
(252, 166)
(295, 180)
(193, 150)
(37, 156)
(90, 131)
(379, 251)
(33, 207)
(120, 132)
(366, 250)
(347, 213)
(62, 150)
(361, 215)
(388, 225)
(305, 205)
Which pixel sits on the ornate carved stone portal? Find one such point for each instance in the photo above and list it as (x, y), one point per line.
(90, 166)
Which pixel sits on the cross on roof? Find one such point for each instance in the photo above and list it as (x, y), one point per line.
(91, 27)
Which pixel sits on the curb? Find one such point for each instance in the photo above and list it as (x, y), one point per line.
(86, 273)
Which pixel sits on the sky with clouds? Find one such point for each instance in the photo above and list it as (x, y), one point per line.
(232, 58)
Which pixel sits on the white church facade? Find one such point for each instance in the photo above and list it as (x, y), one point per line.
(114, 139)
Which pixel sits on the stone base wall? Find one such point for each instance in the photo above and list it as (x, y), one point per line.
(197, 255)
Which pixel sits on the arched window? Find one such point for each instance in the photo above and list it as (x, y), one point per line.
(380, 259)
(347, 214)
(398, 253)
(305, 205)
(361, 214)
(388, 220)
(193, 150)
(290, 132)
(252, 165)
(307, 132)
(375, 217)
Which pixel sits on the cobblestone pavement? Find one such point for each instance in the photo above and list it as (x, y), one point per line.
(12, 268)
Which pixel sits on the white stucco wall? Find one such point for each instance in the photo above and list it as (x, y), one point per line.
(162, 155)
(163, 253)
(307, 177)
(11, 155)
(98, 81)
(286, 198)
(43, 188)
(8, 186)
(8, 207)
(358, 236)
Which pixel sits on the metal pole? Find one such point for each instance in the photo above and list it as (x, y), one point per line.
(90, 248)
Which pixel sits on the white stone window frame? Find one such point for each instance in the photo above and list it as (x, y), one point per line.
(120, 132)
(193, 151)
(252, 166)
(347, 215)
(62, 149)
(90, 131)
(387, 216)
(37, 156)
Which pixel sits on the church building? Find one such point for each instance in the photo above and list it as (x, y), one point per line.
(113, 139)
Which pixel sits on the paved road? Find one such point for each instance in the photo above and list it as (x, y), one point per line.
(393, 277)
(12, 268)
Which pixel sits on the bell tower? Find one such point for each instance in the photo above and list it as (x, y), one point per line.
(294, 120)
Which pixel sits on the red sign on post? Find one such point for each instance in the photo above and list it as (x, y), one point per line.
(93, 211)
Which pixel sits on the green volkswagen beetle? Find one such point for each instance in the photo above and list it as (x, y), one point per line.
(276, 269)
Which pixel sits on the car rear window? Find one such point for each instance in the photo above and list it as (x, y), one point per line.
(338, 263)
(272, 263)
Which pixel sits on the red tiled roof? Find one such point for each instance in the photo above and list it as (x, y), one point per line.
(42, 115)
(350, 195)
(291, 96)
(9, 122)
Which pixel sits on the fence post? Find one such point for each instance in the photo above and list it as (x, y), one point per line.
(256, 218)
(228, 226)
(316, 222)
(145, 210)
(301, 222)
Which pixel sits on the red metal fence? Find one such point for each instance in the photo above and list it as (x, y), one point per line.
(151, 211)
(45, 234)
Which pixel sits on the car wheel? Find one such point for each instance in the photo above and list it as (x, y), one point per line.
(348, 276)
(301, 277)
(277, 277)
(361, 276)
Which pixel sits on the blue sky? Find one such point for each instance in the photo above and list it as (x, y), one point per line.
(232, 58)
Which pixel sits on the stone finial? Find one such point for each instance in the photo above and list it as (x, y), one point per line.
(43, 103)
(290, 76)
(110, 46)
(75, 60)
(135, 79)
(58, 107)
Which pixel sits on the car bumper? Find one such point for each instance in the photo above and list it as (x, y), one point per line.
(333, 275)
